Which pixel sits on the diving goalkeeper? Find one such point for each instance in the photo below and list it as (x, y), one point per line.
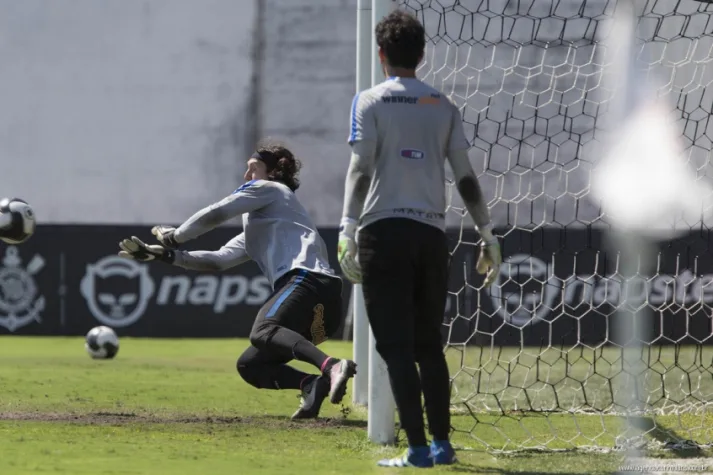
(278, 234)
(402, 131)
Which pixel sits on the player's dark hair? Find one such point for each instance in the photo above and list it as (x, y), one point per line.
(402, 38)
(286, 167)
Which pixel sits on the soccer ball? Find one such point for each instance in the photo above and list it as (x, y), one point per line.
(17, 221)
(102, 343)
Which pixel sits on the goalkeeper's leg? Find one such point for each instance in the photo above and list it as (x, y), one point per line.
(266, 370)
(431, 295)
(304, 311)
(386, 256)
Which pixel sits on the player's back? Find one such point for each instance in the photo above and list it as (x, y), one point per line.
(412, 126)
(281, 236)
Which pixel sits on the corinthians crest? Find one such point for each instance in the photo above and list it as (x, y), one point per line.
(19, 302)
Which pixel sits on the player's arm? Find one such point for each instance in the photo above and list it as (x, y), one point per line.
(362, 138)
(249, 197)
(358, 180)
(230, 255)
(472, 194)
(469, 189)
(466, 181)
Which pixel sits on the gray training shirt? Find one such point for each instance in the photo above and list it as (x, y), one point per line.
(278, 234)
(415, 128)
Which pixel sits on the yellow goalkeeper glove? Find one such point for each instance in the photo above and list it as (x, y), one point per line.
(347, 251)
(490, 258)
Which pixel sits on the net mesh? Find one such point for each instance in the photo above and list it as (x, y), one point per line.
(534, 362)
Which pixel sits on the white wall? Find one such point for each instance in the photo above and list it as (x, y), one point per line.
(308, 85)
(122, 110)
(142, 111)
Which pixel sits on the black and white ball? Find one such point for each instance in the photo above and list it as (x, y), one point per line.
(102, 343)
(17, 221)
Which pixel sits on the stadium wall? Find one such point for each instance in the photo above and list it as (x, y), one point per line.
(106, 103)
(67, 279)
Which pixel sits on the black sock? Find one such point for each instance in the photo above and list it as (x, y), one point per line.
(435, 383)
(293, 345)
(406, 386)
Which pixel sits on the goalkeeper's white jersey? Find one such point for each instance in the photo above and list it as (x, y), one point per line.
(278, 233)
(414, 128)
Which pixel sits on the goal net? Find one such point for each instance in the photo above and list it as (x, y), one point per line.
(534, 360)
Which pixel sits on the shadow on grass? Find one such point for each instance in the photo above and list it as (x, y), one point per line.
(468, 468)
(121, 418)
(672, 440)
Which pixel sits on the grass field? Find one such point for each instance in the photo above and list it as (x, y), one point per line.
(179, 407)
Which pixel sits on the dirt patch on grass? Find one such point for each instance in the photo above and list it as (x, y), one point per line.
(120, 418)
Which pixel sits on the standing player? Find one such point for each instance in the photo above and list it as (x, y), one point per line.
(280, 237)
(402, 130)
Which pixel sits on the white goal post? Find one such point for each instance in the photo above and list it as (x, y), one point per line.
(371, 383)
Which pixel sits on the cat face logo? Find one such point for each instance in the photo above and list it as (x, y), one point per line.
(117, 290)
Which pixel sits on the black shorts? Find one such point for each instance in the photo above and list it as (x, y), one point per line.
(405, 282)
(306, 302)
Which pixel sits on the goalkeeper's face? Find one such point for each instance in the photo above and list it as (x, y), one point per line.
(257, 170)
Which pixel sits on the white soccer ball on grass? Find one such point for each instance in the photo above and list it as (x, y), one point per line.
(102, 343)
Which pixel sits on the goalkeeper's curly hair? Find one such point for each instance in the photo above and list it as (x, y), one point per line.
(402, 38)
(287, 167)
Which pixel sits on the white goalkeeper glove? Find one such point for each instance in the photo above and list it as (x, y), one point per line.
(164, 235)
(490, 258)
(137, 250)
(347, 251)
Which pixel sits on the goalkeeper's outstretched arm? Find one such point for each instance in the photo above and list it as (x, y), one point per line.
(469, 189)
(248, 197)
(230, 255)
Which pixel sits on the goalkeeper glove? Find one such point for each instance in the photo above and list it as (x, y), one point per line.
(137, 250)
(347, 251)
(490, 258)
(164, 235)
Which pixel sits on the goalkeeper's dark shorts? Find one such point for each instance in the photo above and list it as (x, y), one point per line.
(405, 282)
(308, 303)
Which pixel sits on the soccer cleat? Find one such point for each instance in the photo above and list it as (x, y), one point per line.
(313, 394)
(418, 457)
(339, 374)
(442, 452)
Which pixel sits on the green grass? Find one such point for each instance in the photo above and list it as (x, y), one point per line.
(513, 391)
(179, 407)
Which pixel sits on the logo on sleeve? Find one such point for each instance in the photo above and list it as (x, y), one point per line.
(412, 154)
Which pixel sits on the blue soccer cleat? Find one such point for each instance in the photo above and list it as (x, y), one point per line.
(419, 457)
(442, 452)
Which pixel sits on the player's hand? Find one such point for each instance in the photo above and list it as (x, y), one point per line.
(164, 235)
(347, 251)
(489, 261)
(137, 250)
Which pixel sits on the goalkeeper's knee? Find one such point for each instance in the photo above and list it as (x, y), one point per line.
(260, 337)
(254, 374)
